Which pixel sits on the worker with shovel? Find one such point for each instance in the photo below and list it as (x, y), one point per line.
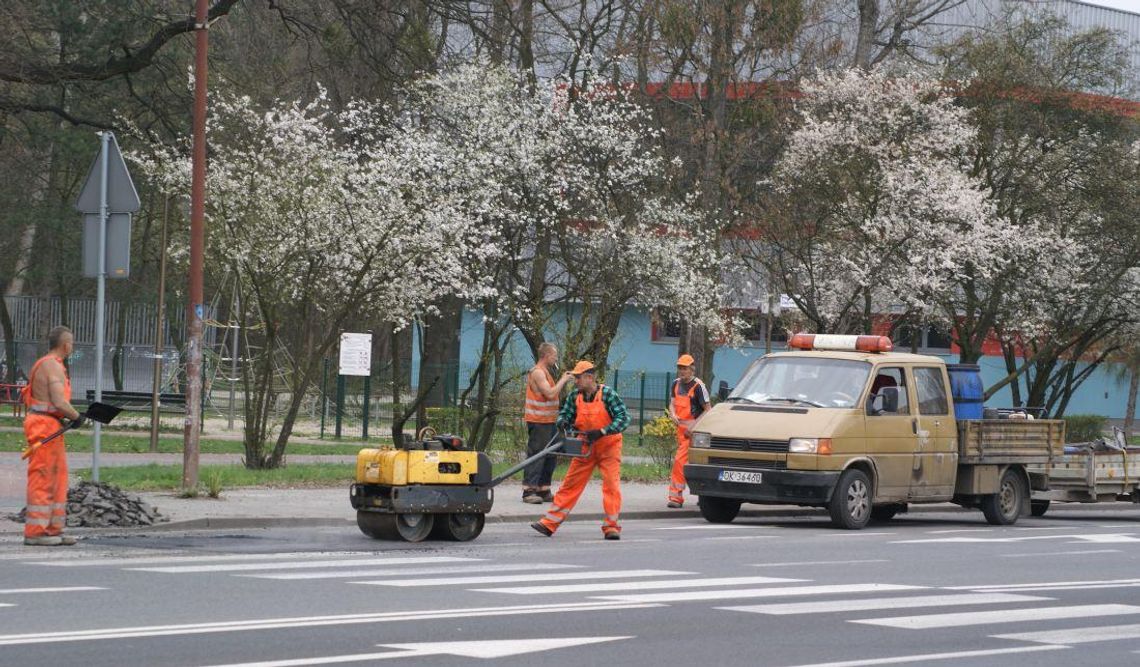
(598, 413)
(48, 401)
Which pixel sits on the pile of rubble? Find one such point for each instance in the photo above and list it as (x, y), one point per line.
(97, 505)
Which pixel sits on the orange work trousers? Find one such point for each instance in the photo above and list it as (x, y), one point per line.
(606, 456)
(680, 459)
(47, 478)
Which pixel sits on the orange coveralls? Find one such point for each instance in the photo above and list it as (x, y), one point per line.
(683, 411)
(605, 453)
(47, 465)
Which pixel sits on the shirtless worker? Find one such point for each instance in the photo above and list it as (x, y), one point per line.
(48, 402)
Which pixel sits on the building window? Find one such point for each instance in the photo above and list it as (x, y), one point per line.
(665, 326)
(930, 337)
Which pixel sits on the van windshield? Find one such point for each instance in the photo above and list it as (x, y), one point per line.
(818, 382)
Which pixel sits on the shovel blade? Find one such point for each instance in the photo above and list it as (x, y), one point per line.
(102, 412)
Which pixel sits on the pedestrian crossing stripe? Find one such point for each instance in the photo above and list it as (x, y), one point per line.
(827, 589)
(1103, 633)
(467, 581)
(868, 604)
(50, 589)
(959, 619)
(412, 571)
(637, 585)
(303, 565)
(197, 559)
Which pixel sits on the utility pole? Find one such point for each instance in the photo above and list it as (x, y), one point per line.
(159, 330)
(101, 292)
(195, 308)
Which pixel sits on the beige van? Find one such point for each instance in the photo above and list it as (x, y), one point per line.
(862, 433)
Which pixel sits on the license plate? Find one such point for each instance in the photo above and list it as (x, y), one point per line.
(740, 476)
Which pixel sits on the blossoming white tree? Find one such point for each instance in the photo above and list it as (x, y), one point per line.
(322, 215)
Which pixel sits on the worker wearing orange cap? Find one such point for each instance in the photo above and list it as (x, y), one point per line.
(598, 413)
(688, 400)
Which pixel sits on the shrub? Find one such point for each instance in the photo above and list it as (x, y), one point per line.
(1084, 428)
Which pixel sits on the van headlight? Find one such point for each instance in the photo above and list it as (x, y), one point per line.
(701, 440)
(809, 446)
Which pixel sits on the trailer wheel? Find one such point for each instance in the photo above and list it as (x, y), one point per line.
(1003, 508)
(459, 527)
(718, 510)
(850, 505)
(406, 527)
(1038, 507)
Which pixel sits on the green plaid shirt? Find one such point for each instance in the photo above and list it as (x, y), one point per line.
(614, 406)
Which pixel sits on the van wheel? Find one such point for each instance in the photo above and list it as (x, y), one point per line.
(1003, 508)
(1038, 507)
(886, 512)
(718, 510)
(850, 505)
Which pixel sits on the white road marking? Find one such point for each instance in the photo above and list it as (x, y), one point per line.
(702, 527)
(740, 537)
(1039, 584)
(820, 562)
(1106, 538)
(960, 619)
(831, 606)
(829, 589)
(459, 569)
(1041, 554)
(1101, 633)
(960, 530)
(958, 655)
(855, 533)
(486, 649)
(440, 580)
(626, 541)
(50, 589)
(303, 565)
(6, 604)
(637, 585)
(159, 560)
(307, 622)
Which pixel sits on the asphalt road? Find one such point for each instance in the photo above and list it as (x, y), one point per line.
(927, 588)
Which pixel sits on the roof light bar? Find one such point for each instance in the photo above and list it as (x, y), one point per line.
(803, 341)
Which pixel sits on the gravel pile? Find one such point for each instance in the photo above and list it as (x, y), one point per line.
(97, 505)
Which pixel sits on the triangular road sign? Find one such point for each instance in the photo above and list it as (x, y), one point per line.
(121, 194)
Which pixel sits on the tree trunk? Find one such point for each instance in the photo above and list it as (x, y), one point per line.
(439, 353)
(10, 351)
(868, 25)
(1130, 409)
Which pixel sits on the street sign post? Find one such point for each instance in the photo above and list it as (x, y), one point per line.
(107, 193)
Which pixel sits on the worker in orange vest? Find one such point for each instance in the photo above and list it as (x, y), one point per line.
(598, 413)
(540, 413)
(688, 400)
(48, 401)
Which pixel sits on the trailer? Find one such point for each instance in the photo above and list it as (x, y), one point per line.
(1107, 470)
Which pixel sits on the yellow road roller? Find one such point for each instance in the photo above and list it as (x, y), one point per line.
(434, 487)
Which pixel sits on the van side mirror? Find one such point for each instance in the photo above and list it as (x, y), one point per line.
(722, 390)
(887, 400)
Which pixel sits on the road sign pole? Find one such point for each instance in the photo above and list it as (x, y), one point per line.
(100, 294)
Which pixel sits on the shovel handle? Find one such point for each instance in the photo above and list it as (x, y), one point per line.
(28, 452)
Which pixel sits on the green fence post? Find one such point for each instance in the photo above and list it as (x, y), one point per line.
(367, 400)
(324, 393)
(339, 404)
(641, 412)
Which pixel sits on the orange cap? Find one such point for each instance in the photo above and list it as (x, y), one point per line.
(686, 360)
(583, 367)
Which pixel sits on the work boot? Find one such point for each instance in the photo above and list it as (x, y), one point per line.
(613, 535)
(537, 525)
(673, 504)
(547, 496)
(532, 498)
(44, 541)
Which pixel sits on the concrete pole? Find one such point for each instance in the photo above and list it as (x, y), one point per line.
(195, 308)
(100, 293)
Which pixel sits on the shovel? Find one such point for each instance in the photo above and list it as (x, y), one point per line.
(99, 412)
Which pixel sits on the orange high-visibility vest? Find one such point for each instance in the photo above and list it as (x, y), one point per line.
(538, 409)
(593, 415)
(683, 402)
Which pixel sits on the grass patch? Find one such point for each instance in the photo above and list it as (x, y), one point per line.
(115, 443)
(155, 477)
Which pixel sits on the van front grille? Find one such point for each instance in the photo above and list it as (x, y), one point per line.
(745, 445)
(748, 463)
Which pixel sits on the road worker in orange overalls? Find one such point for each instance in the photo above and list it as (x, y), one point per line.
(48, 402)
(597, 412)
(688, 400)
